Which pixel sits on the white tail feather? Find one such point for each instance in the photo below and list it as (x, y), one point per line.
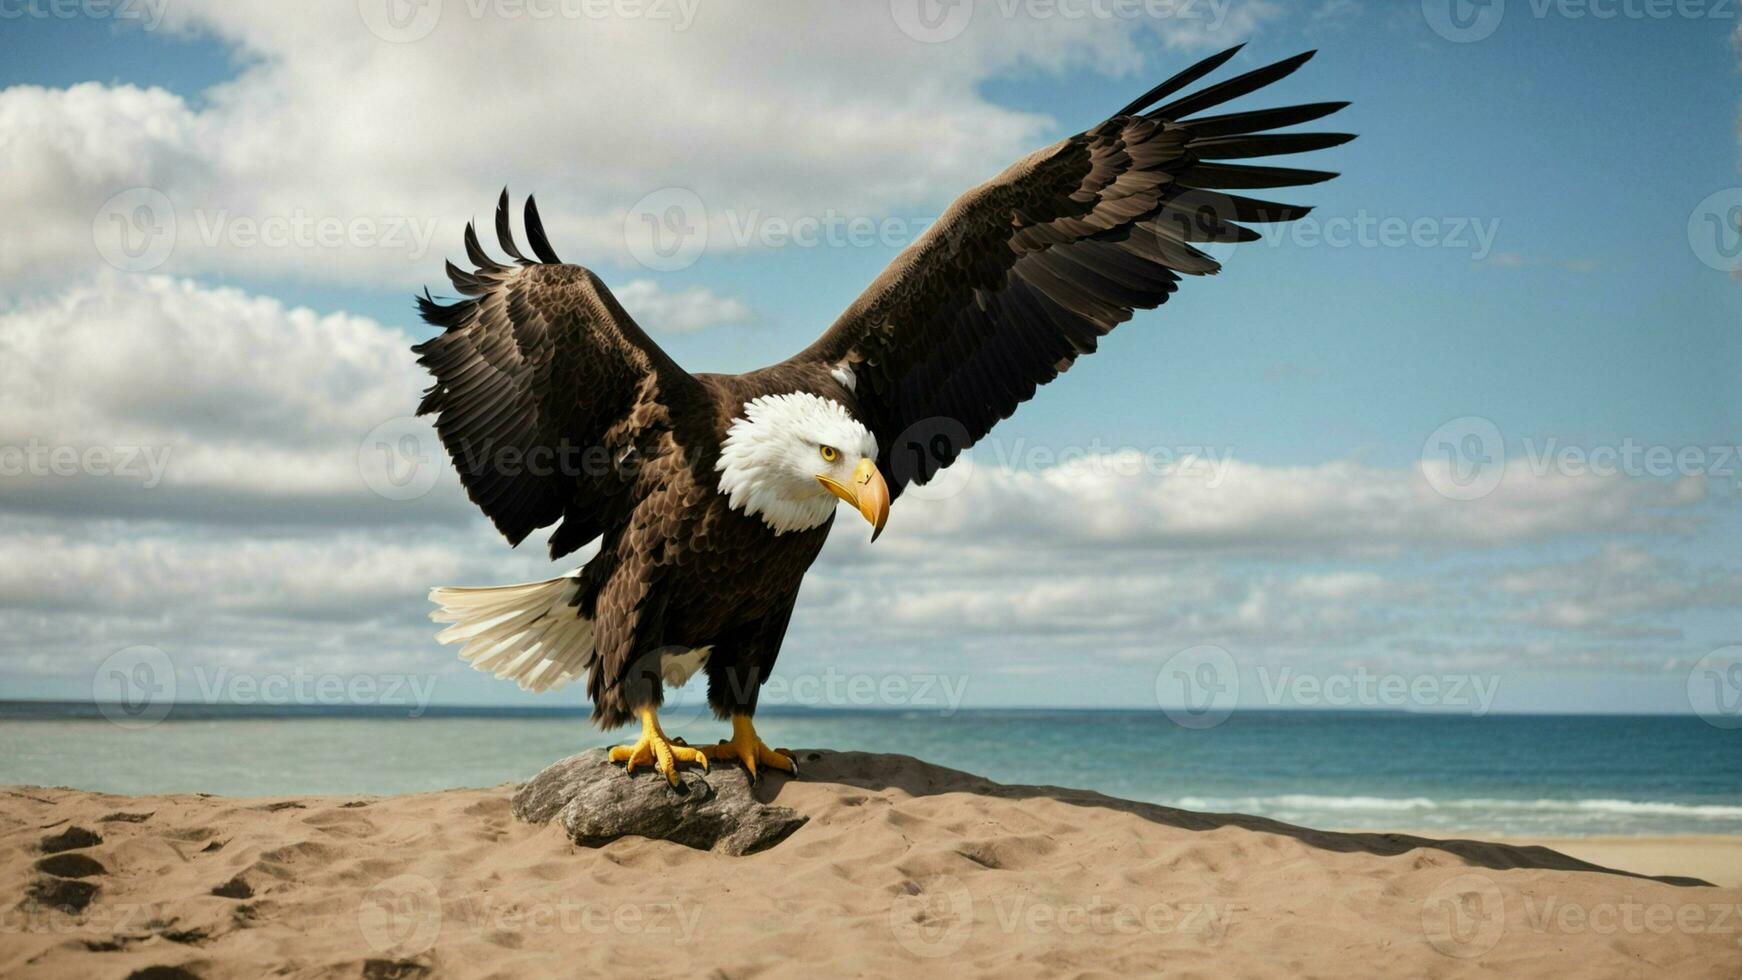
(531, 634)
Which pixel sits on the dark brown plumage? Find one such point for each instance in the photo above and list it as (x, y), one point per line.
(558, 409)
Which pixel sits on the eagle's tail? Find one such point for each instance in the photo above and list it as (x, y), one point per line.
(532, 634)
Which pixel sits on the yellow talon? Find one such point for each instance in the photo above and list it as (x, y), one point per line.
(656, 750)
(750, 750)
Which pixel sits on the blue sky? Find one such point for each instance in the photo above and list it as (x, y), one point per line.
(1583, 146)
(1586, 140)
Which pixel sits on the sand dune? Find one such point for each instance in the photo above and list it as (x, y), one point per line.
(903, 866)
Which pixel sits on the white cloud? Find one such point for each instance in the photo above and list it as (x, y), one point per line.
(1102, 558)
(263, 543)
(259, 413)
(1337, 10)
(1112, 504)
(379, 151)
(204, 405)
(1618, 590)
(347, 600)
(686, 311)
(345, 576)
(152, 397)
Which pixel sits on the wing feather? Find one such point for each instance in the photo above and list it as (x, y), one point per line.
(537, 368)
(1026, 272)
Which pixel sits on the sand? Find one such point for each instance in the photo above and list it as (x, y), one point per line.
(1713, 858)
(903, 868)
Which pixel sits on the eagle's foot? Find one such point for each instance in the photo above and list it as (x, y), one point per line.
(656, 750)
(750, 750)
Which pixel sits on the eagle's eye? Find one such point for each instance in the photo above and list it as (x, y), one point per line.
(829, 454)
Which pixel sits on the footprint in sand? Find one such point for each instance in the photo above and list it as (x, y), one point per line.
(71, 865)
(70, 839)
(70, 895)
(234, 888)
(126, 818)
(62, 888)
(163, 973)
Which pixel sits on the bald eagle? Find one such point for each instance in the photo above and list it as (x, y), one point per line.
(711, 494)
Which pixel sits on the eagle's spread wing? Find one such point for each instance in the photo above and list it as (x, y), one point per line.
(1024, 273)
(543, 386)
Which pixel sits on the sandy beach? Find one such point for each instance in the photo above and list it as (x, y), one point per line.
(902, 866)
(1711, 857)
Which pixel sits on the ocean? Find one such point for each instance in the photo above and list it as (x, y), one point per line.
(1521, 775)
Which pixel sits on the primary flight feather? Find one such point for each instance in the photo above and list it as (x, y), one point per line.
(711, 494)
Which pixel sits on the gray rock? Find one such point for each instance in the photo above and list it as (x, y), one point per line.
(596, 804)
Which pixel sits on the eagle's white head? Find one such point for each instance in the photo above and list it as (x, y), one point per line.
(789, 457)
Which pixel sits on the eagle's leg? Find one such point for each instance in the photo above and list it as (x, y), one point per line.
(656, 750)
(750, 750)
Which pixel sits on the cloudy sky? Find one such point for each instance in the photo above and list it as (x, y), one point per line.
(1475, 417)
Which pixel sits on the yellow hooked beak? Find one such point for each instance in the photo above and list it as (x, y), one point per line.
(867, 492)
